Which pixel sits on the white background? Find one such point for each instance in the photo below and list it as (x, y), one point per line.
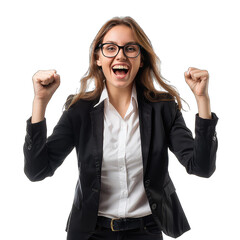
(57, 35)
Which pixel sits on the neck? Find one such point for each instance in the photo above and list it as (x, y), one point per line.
(120, 98)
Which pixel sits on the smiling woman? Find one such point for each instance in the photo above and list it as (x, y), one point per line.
(119, 82)
(122, 131)
(124, 31)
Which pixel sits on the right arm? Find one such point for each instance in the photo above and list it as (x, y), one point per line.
(45, 83)
(43, 155)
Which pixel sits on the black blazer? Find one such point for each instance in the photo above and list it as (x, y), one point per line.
(161, 127)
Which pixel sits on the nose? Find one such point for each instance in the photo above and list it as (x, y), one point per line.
(121, 54)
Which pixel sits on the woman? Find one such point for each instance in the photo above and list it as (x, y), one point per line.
(122, 131)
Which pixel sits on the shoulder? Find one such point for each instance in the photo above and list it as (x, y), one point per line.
(162, 96)
(161, 99)
(83, 102)
(80, 108)
(68, 101)
(164, 106)
(153, 97)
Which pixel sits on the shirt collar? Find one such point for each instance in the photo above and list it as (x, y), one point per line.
(134, 94)
(104, 95)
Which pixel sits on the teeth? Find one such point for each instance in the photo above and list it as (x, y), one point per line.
(120, 67)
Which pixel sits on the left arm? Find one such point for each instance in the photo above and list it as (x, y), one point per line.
(197, 155)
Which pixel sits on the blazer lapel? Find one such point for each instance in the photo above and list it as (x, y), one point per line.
(97, 116)
(145, 122)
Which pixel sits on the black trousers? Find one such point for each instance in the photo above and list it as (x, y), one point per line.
(147, 232)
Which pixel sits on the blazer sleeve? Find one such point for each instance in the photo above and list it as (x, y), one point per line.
(42, 155)
(197, 155)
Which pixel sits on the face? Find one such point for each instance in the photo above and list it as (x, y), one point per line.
(120, 35)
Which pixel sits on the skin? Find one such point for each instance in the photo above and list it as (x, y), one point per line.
(45, 82)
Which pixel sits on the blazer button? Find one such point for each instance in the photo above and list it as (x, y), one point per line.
(29, 137)
(154, 206)
(147, 183)
(29, 147)
(214, 136)
(95, 190)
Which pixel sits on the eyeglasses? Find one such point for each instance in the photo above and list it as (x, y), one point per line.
(110, 50)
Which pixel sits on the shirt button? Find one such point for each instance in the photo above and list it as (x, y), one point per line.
(154, 206)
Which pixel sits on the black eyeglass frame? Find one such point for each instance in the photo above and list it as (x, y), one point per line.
(119, 48)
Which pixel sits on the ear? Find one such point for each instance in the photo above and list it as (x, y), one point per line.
(99, 63)
(141, 64)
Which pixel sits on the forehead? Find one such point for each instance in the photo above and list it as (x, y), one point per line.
(120, 34)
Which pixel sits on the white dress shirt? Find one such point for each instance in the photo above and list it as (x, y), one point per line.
(122, 191)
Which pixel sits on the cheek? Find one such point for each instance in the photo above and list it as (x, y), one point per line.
(136, 67)
(106, 68)
(136, 64)
(106, 63)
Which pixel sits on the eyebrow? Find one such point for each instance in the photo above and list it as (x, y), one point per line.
(124, 44)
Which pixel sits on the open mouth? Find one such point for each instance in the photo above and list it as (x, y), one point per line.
(120, 71)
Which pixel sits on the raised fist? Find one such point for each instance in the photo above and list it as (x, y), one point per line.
(45, 83)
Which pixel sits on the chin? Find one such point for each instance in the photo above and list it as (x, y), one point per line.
(120, 83)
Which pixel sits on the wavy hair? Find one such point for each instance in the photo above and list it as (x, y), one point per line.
(145, 76)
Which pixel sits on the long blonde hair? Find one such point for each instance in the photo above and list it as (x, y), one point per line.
(145, 75)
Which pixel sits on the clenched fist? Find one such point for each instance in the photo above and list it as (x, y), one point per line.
(197, 80)
(45, 83)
